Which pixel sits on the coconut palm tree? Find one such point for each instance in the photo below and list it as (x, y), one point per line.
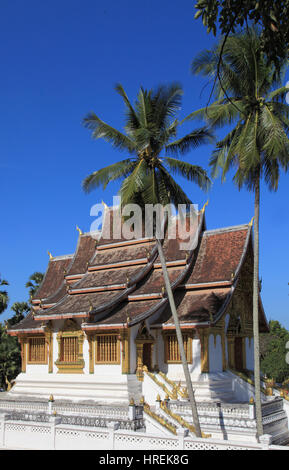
(150, 140)
(257, 145)
(4, 299)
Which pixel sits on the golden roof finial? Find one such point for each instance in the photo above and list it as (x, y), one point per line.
(105, 205)
(50, 255)
(204, 206)
(251, 221)
(79, 230)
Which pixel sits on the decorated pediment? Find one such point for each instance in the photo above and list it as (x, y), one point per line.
(143, 334)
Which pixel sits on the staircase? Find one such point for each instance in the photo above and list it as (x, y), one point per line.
(208, 387)
(226, 418)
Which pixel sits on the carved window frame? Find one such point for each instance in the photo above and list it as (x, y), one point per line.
(29, 348)
(117, 346)
(187, 339)
(70, 330)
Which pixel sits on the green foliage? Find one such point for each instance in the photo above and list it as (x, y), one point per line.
(10, 357)
(273, 352)
(20, 310)
(4, 299)
(246, 99)
(271, 15)
(34, 282)
(151, 127)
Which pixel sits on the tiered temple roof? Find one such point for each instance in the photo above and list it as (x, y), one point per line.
(110, 283)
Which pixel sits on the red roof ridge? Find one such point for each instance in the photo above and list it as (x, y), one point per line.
(231, 228)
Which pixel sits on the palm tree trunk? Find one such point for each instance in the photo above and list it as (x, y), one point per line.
(256, 312)
(180, 341)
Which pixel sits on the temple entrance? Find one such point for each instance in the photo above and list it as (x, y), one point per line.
(144, 351)
(239, 353)
(147, 355)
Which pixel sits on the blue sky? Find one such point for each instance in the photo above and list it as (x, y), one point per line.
(62, 59)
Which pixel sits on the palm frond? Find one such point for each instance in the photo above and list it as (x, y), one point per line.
(112, 172)
(134, 184)
(102, 130)
(278, 94)
(132, 121)
(191, 172)
(193, 140)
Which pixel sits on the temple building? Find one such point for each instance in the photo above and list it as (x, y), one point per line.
(101, 327)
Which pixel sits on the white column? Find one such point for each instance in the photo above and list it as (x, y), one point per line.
(2, 429)
(112, 426)
(182, 433)
(53, 420)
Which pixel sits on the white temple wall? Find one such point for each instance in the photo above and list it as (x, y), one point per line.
(195, 368)
(86, 355)
(38, 369)
(55, 352)
(215, 354)
(175, 371)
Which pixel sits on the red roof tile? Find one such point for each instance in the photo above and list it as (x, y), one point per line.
(53, 277)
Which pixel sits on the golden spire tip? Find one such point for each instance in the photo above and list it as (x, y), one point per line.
(204, 207)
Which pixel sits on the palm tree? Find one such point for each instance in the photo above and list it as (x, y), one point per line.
(4, 299)
(257, 145)
(34, 282)
(20, 309)
(150, 130)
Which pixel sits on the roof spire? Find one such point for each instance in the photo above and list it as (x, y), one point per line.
(79, 231)
(204, 207)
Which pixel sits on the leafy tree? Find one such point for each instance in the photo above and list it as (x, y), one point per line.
(273, 352)
(271, 15)
(20, 310)
(34, 282)
(4, 299)
(10, 358)
(150, 138)
(257, 146)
